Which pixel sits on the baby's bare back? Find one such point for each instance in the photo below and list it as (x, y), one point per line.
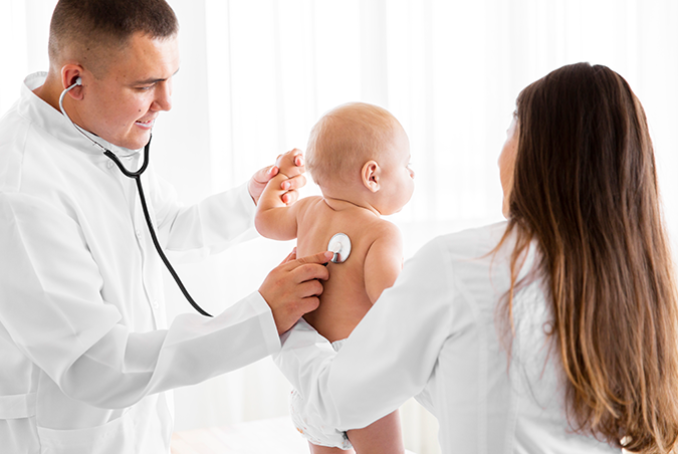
(344, 301)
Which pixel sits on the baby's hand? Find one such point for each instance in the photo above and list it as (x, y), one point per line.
(291, 163)
(293, 179)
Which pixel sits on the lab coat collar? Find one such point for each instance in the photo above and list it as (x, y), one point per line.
(54, 122)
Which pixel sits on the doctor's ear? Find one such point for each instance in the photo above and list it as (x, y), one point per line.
(71, 77)
(370, 175)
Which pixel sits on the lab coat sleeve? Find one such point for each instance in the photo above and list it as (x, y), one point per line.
(210, 226)
(52, 308)
(387, 359)
(124, 367)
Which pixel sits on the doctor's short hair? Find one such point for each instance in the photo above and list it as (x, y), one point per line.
(88, 26)
(347, 137)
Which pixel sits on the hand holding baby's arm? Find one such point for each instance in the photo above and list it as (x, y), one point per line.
(291, 164)
(384, 261)
(274, 218)
(295, 177)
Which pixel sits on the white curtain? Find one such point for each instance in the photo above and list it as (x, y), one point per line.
(257, 74)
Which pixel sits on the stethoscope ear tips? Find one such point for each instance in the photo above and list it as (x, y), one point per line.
(77, 83)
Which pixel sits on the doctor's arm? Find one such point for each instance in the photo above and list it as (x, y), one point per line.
(387, 359)
(126, 366)
(52, 306)
(220, 220)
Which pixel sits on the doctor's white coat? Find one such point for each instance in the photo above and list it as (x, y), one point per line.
(85, 353)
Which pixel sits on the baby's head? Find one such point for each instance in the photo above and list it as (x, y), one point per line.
(360, 153)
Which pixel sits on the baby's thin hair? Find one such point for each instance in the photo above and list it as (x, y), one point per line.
(346, 137)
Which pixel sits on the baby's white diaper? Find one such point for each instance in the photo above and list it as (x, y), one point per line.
(315, 431)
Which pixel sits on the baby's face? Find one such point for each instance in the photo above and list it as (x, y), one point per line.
(397, 178)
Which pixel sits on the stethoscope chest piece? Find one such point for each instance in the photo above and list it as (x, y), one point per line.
(340, 244)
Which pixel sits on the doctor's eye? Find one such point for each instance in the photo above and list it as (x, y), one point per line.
(144, 88)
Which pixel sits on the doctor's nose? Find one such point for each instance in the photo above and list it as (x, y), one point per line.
(163, 96)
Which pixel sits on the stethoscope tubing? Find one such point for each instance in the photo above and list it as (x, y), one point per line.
(136, 176)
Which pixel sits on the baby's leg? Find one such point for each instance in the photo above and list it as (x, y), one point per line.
(380, 437)
(315, 449)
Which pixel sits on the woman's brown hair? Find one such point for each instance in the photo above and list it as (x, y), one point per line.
(585, 188)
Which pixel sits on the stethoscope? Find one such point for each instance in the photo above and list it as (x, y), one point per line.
(136, 176)
(340, 246)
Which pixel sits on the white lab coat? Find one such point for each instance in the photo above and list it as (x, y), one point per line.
(433, 335)
(86, 357)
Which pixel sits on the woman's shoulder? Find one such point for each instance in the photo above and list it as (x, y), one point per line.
(470, 243)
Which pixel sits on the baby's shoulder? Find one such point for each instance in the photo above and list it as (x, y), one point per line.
(381, 231)
(381, 227)
(307, 204)
(309, 201)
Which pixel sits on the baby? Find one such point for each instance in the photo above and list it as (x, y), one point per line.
(359, 156)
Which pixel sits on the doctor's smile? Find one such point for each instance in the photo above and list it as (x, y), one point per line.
(145, 124)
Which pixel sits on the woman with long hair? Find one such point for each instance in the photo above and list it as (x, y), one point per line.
(556, 331)
(585, 189)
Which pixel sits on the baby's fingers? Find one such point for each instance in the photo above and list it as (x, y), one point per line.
(293, 184)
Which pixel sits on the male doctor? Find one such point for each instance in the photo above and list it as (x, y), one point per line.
(86, 357)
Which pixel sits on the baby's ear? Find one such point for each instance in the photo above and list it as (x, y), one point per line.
(370, 175)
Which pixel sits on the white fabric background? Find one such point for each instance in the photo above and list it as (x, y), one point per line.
(256, 75)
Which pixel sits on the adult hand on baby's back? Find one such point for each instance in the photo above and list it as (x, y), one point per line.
(293, 163)
(292, 288)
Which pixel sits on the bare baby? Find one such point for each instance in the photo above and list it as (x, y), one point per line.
(359, 156)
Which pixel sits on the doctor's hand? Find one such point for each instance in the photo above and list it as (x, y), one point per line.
(294, 171)
(292, 288)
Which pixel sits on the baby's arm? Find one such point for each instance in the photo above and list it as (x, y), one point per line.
(273, 218)
(384, 260)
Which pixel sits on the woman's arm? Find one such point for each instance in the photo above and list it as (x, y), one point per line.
(390, 355)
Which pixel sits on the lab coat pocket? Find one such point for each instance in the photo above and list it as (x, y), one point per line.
(110, 438)
(17, 423)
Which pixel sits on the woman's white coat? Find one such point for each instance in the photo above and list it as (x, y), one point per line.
(436, 335)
